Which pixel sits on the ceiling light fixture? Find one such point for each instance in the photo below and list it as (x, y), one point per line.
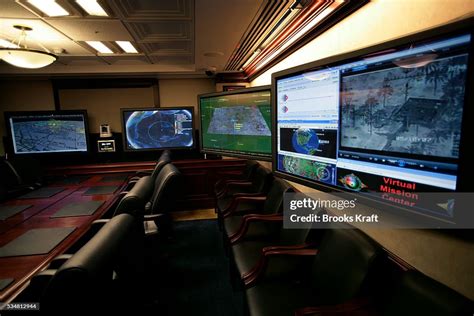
(49, 7)
(127, 47)
(7, 44)
(24, 57)
(100, 47)
(92, 7)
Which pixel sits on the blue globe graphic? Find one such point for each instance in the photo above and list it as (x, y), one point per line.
(156, 129)
(305, 141)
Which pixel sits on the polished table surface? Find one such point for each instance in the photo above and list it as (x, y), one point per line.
(200, 175)
(22, 268)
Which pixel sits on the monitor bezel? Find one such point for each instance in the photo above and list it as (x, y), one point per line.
(124, 134)
(462, 184)
(231, 153)
(9, 114)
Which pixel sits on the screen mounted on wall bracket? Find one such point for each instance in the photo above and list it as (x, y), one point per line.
(237, 123)
(157, 128)
(388, 121)
(48, 132)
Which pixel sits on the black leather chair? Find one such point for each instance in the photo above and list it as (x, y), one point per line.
(247, 253)
(272, 205)
(336, 275)
(100, 273)
(164, 159)
(245, 176)
(417, 294)
(168, 184)
(260, 185)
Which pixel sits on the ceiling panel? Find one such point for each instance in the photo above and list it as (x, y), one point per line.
(219, 27)
(153, 10)
(41, 33)
(161, 31)
(169, 48)
(11, 9)
(81, 60)
(92, 29)
(126, 60)
(172, 60)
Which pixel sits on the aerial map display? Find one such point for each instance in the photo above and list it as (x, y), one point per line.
(239, 120)
(155, 129)
(406, 110)
(239, 123)
(48, 134)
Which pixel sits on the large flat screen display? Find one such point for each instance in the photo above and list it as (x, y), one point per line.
(158, 128)
(43, 132)
(237, 123)
(387, 119)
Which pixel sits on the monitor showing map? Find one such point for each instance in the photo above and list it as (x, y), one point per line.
(385, 121)
(237, 123)
(41, 132)
(157, 128)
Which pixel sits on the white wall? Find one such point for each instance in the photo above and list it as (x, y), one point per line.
(376, 22)
(441, 256)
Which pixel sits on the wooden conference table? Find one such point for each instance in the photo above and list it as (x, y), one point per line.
(36, 228)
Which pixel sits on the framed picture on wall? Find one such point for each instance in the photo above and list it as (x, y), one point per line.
(232, 88)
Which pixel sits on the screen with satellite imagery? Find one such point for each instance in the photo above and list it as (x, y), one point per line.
(48, 132)
(386, 122)
(237, 122)
(157, 128)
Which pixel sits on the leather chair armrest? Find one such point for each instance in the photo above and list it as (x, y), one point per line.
(269, 261)
(275, 249)
(358, 306)
(257, 200)
(58, 261)
(250, 218)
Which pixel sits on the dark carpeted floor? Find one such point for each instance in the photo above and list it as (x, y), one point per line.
(193, 273)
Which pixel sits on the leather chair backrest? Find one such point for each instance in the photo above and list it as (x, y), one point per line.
(342, 265)
(164, 159)
(274, 201)
(417, 294)
(29, 170)
(167, 185)
(262, 180)
(86, 278)
(134, 201)
(250, 167)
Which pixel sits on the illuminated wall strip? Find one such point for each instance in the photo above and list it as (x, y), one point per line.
(300, 33)
(304, 16)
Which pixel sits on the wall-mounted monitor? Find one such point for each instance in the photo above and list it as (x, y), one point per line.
(157, 128)
(48, 132)
(237, 123)
(390, 120)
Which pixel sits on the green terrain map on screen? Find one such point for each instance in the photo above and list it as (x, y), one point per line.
(238, 123)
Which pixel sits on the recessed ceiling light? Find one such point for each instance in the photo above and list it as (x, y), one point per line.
(92, 7)
(100, 47)
(49, 7)
(7, 44)
(127, 47)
